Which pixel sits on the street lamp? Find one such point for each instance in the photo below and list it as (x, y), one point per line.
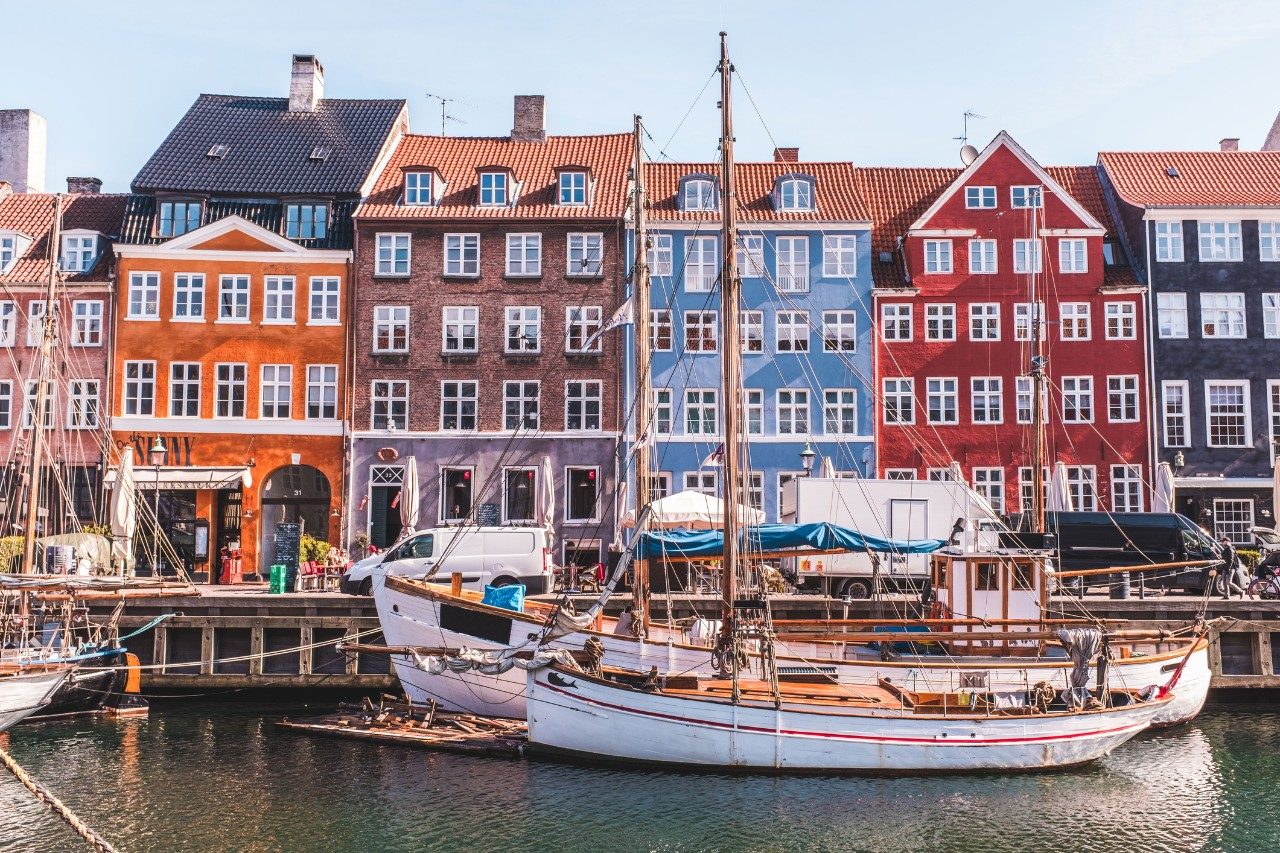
(806, 459)
(156, 458)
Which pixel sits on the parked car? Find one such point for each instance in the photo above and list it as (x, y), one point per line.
(1265, 540)
(494, 556)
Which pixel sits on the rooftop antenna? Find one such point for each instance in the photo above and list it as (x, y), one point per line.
(968, 153)
(445, 118)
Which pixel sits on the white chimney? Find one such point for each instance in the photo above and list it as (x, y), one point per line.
(23, 139)
(530, 119)
(306, 84)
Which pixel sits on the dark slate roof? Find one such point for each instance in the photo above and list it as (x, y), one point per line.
(140, 214)
(269, 147)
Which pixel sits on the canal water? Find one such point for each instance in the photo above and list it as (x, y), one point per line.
(222, 778)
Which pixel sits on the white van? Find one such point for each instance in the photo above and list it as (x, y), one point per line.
(497, 556)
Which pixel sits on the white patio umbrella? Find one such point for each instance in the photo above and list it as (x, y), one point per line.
(1275, 494)
(547, 494)
(955, 472)
(1162, 498)
(694, 511)
(827, 470)
(1060, 490)
(124, 511)
(409, 496)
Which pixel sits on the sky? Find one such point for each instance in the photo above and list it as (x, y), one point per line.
(876, 83)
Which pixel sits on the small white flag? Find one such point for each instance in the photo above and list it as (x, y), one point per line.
(716, 458)
(621, 317)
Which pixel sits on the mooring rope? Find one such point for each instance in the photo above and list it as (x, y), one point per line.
(59, 808)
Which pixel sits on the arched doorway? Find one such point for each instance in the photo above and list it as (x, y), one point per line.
(294, 493)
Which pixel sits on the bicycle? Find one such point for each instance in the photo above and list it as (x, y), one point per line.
(1266, 587)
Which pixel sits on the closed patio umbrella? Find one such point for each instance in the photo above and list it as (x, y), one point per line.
(124, 512)
(547, 494)
(1162, 498)
(1060, 490)
(827, 470)
(409, 496)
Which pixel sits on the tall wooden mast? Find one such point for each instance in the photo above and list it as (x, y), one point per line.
(640, 307)
(1037, 385)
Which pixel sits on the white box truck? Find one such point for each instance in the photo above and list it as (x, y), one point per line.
(895, 509)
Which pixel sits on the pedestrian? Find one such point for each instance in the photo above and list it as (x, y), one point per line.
(1231, 570)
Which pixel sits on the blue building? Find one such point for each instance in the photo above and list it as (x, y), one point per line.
(804, 255)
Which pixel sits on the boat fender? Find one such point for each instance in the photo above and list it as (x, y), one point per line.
(133, 673)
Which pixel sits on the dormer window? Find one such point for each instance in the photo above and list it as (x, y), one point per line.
(178, 217)
(573, 187)
(79, 252)
(308, 221)
(418, 188)
(12, 245)
(698, 193)
(493, 189)
(795, 192)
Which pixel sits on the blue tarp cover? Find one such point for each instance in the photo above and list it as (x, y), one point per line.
(686, 544)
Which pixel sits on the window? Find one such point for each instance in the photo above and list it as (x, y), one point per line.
(11, 247)
(573, 187)
(277, 391)
(1174, 398)
(35, 322)
(752, 323)
(325, 293)
(139, 388)
(700, 264)
(6, 404)
(1126, 488)
(306, 221)
(1220, 241)
(659, 257)
(392, 257)
(582, 486)
(1227, 411)
(793, 264)
(1026, 196)
(144, 295)
(660, 330)
(937, 256)
(755, 489)
(455, 494)
(987, 399)
(520, 405)
(940, 322)
(840, 331)
(524, 328)
(795, 194)
(1022, 319)
(698, 194)
(1122, 399)
(899, 401)
(1073, 256)
(1233, 518)
(458, 404)
(755, 411)
(519, 494)
(8, 322)
(792, 331)
(1024, 391)
(1026, 487)
(86, 323)
(229, 389)
(50, 405)
(462, 255)
(1082, 484)
(1074, 321)
(895, 321)
(701, 412)
(233, 299)
(1169, 242)
(1222, 315)
(582, 401)
(984, 321)
(184, 389)
(188, 296)
(417, 188)
(82, 404)
(663, 411)
(989, 483)
(900, 473)
(980, 198)
(700, 331)
(1122, 321)
(78, 253)
(793, 411)
(585, 255)
(982, 257)
(1269, 241)
(391, 328)
(839, 257)
(461, 328)
(322, 391)
(178, 217)
(581, 323)
(840, 411)
(1271, 315)
(389, 405)
(277, 305)
(1077, 399)
(493, 189)
(942, 404)
(1273, 400)
(1171, 311)
(1027, 256)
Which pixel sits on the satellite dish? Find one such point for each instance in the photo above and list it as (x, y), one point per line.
(968, 154)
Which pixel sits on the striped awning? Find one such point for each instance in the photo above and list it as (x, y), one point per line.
(188, 477)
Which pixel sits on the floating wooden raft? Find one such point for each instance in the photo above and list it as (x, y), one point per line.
(394, 721)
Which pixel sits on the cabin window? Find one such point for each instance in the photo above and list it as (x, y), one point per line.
(988, 577)
(1022, 578)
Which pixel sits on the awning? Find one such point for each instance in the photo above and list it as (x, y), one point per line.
(1222, 482)
(188, 477)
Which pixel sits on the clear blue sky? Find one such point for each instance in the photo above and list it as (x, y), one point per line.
(876, 83)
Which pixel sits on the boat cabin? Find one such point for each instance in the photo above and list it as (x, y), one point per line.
(999, 587)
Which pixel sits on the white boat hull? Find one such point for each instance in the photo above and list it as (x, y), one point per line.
(414, 619)
(24, 693)
(577, 715)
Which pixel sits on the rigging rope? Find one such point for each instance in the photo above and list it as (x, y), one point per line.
(44, 795)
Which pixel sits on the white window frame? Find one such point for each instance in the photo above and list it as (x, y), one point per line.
(701, 407)
(989, 483)
(698, 194)
(461, 255)
(1123, 390)
(524, 255)
(1246, 415)
(1220, 311)
(419, 189)
(840, 331)
(984, 321)
(1023, 320)
(701, 331)
(234, 379)
(986, 390)
(1169, 242)
(979, 197)
(1075, 321)
(279, 300)
(84, 403)
(322, 392)
(752, 335)
(1243, 506)
(796, 194)
(792, 262)
(661, 326)
(87, 322)
(1172, 320)
(1077, 398)
(1273, 419)
(1025, 251)
(840, 256)
(1026, 196)
(1073, 255)
(791, 412)
(188, 297)
(324, 292)
(750, 256)
(78, 253)
(235, 298)
(753, 406)
(1121, 321)
(701, 263)
(50, 403)
(1181, 416)
(520, 319)
(1023, 391)
(494, 189)
(1220, 241)
(839, 407)
(275, 381)
(35, 321)
(392, 323)
(8, 322)
(938, 257)
(526, 397)
(459, 400)
(943, 388)
(895, 317)
(895, 391)
(660, 255)
(940, 321)
(1082, 483)
(1271, 315)
(388, 248)
(791, 332)
(460, 323)
(983, 257)
(1126, 488)
(385, 394)
(583, 405)
(6, 404)
(664, 411)
(144, 296)
(582, 322)
(136, 402)
(584, 255)
(185, 388)
(706, 482)
(573, 188)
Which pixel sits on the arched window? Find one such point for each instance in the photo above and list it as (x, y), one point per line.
(795, 192)
(698, 193)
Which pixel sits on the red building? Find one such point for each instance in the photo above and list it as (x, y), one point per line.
(958, 254)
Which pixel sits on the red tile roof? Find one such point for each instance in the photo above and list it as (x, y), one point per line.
(1084, 185)
(1205, 178)
(31, 214)
(838, 198)
(898, 197)
(534, 165)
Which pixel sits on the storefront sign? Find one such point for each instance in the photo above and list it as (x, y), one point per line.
(177, 448)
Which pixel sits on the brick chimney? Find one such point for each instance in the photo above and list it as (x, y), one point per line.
(23, 137)
(306, 84)
(5, 189)
(1230, 143)
(786, 155)
(84, 186)
(530, 119)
